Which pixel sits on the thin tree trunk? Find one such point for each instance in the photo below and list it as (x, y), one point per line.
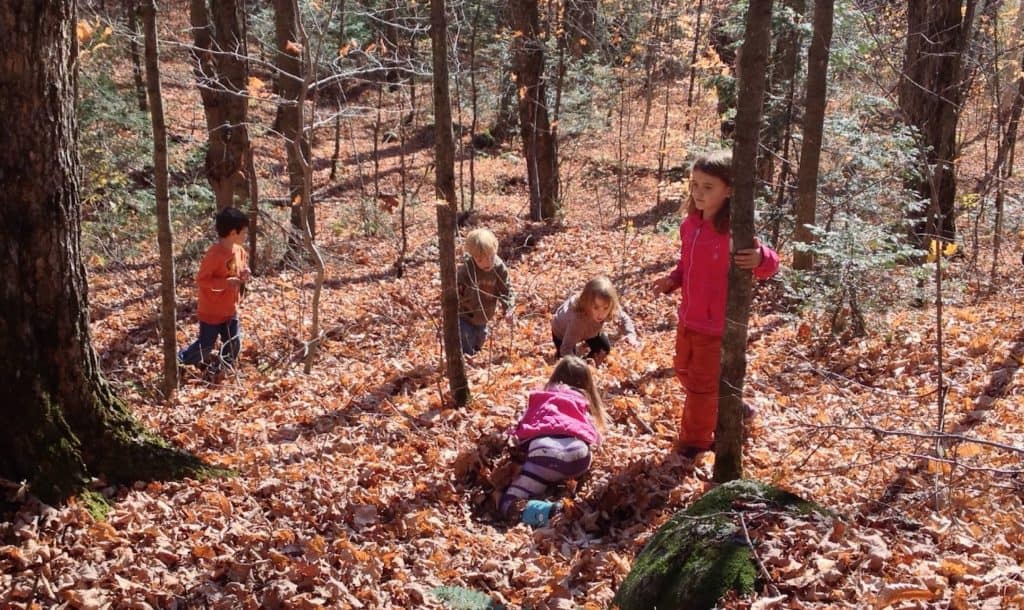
(62, 422)
(753, 60)
(444, 152)
(133, 42)
(693, 54)
(814, 121)
(168, 311)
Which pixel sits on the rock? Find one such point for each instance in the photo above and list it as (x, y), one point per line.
(701, 552)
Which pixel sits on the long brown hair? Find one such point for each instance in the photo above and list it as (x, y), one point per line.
(717, 163)
(574, 372)
(598, 288)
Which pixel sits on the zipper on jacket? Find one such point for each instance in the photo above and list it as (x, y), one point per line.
(689, 268)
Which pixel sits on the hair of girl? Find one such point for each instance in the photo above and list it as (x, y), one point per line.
(717, 163)
(574, 372)
(598, 288)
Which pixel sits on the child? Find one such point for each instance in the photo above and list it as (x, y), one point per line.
(560, 425)
(482, 281)
(581, 318)
(703, 273)
(223, 271)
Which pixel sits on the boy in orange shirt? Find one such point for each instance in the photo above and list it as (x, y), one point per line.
(225, 268)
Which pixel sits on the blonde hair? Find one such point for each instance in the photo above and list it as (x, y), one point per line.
(598, 288)
(481, 242)
(574, 372)
(717, 163)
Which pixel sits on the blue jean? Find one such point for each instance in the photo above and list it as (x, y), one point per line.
(201, 352)
(471, 336)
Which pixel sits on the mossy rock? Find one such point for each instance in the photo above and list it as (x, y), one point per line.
(701, 553)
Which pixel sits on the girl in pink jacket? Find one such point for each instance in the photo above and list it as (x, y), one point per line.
(561, 423)
(703, 275)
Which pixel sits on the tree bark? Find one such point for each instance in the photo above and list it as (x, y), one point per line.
(814, 121)
(163, 213)
(930, 95)
(539, 144)
(753, 61)
(444, 152)
(222, 74)
(62, 422)
(288, 58)
(133, 42)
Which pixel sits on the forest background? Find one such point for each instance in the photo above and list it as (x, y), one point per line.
(883, 361)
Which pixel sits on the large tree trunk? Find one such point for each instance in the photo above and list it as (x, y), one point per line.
(814, 121)
(288, 58)
(223, 76)
(163, 212)
(444, 151)
(539, 144)
(931, 92)
(62, 422)
(753, 60)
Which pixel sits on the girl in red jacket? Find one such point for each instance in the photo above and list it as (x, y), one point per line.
(703, 274)
(560, 425)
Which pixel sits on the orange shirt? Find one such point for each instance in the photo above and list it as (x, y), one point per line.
(218, 299)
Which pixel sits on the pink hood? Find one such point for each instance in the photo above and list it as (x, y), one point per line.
(703, 272)
(557, 410)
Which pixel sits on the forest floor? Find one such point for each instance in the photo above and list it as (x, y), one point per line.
(358, 486)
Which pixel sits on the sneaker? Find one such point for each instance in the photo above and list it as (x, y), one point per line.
(538, 512)
(689, 451)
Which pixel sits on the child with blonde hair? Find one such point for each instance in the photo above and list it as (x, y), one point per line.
(581, 318)
(482, 280)
(561, 424)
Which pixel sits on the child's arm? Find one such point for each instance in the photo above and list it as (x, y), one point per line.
(761, 259)
(628, 328)
(208, 276)
(571, 337)
(506, 294)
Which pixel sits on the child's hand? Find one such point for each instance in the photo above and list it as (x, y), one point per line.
(664, 285)
(749, 258)
(245, 274)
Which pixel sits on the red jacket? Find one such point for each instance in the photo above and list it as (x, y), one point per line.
(703, 273)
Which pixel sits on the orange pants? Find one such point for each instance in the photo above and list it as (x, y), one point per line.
(698, 364)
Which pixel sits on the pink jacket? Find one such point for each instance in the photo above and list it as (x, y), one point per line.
(703, 273)
(557, 410)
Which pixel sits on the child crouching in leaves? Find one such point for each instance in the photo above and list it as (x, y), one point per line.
(561, 424)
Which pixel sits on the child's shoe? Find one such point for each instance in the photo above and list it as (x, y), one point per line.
(538, 512)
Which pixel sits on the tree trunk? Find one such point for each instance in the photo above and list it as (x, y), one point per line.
(753, 60)
(133, 41)
(444, 152)
(930, 96)
(538, 139)
(222, 74)
(62, 422)
(163, 212)
(813, 128)
(289, 86)
(785, 65)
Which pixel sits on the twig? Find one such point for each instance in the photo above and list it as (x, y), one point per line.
(770, 586)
